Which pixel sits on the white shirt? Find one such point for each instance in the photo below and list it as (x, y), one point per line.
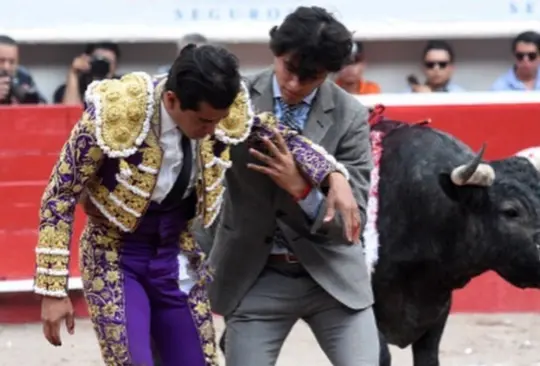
(170, 141)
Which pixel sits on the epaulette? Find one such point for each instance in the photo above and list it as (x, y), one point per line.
(122, 110)
(236, 127)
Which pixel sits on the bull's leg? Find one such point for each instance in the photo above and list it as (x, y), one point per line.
(426, 349)
(385, 359)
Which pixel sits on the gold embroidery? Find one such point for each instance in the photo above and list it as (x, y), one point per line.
(143, 182)
(114, 213)
(268, 120)
(53, 262)
(211, 188)
(130, 198)
(79, 159)
(133, 201)
(236, 126)
(123, 109)
(104, 292)
(187, 244)
(202, 317)
(198, 301)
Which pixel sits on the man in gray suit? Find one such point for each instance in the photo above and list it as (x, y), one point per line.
(280, 258)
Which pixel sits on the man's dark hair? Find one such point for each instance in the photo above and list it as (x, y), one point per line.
(206, 73)
(7, 40)
(527, 37)
(437, 44)
(110, 46)
(314, 39)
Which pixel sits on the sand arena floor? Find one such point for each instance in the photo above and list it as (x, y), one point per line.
(470, 340)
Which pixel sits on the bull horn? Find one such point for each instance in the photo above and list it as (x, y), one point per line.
(474, 173)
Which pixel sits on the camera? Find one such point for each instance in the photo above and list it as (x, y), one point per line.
(23, 93)
(99, 67)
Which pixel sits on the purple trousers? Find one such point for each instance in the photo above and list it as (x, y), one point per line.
(131, 287)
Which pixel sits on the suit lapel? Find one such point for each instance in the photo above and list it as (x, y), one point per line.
(319, 120)
(263, 96)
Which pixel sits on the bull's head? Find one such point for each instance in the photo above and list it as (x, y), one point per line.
(502, 203)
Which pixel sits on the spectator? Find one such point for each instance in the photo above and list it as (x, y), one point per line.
(195, 38)
(351, 77)
(99, 61)
(438, 58)
(523, 75)
(16, 84)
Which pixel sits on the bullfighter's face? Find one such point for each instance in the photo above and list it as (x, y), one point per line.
(195, 124)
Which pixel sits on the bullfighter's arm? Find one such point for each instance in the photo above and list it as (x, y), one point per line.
(79, 159)
(354, 152)
(313, 160)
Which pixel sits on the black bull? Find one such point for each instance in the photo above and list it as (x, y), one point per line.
(445, 217)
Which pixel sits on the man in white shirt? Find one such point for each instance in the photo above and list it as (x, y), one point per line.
(141, 162)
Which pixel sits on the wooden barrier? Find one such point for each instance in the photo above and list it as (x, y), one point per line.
(32, 137)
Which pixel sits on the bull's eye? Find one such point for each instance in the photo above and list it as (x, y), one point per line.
(510, 212)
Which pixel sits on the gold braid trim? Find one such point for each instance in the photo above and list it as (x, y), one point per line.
(236, 127)
(123, 111)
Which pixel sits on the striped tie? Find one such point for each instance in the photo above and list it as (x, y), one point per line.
(287, 118)
(288, 115)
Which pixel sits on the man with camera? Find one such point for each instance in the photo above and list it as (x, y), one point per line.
(98, 62)
(16, 84)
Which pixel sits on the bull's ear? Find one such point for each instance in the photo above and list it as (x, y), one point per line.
(468, 196)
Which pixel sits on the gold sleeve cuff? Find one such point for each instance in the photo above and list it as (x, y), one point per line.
(51, 272)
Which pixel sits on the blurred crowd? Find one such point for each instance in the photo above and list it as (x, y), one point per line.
(100, 61)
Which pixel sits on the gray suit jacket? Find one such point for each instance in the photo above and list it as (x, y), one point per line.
(242, 239)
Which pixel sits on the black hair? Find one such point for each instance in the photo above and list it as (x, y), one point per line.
(437, 44)
(527, 37)
(314, 39)
(7, 40)
(206, 73)
(110, 46)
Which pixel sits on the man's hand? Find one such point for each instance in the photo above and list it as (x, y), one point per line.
(421, 89)
(5, 86)
(53, 312)
(80, 64)
(280, 166)
(340, 198)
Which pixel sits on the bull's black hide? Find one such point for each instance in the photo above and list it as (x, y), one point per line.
(436, 235)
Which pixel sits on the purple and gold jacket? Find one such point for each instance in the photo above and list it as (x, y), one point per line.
(110, 164)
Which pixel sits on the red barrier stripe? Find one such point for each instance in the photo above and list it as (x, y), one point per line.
(27, 167)
(32, 138)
